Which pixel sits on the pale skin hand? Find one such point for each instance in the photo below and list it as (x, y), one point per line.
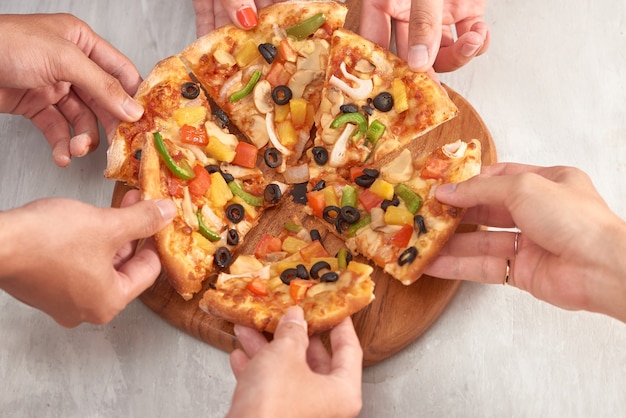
(422, 27)
(55, 71)
(296, 374)
(571, 248)
(80, 267)
(422, 30)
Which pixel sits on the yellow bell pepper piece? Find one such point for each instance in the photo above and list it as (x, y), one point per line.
(382, 188)
(192, 116)
(246, 54)
(220, 192)
(220, 151)
(395, 215)
(400, 100)
(298, 108)
(287, 134)
(330, 197)
(292, 245)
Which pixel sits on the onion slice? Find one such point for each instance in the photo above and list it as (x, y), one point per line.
(361, 92)
(338, 155)
(269, 125)
(296, 174)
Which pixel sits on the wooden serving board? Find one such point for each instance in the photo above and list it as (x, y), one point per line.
(398, 315)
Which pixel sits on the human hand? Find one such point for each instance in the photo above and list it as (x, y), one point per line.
(76, 262)
(55, 71)
(422, 30)
(292, 373)
(571, 247)
(211, 14)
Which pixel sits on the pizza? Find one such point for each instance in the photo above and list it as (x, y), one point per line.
(268, 79)
(293, 268)
(390, 215)
(238, 118)
(372, 104)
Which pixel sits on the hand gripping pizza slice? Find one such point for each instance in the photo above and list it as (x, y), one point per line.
(170, 98)
(291, 269)
(390, 215)
(268, 80)
(372, 105)
(218, 191)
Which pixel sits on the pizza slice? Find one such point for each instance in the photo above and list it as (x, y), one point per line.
(165, 91)
(372, 105)
(390, 215)
(219, 192)
(293, 268)
(268, 80)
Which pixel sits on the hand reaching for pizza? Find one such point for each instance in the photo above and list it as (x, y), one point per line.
(427, 42)
(76, 262)
(423, 35)
(571, 248)
(64, 78)
(297, 374)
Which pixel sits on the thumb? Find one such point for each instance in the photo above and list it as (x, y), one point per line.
(292, 326)
(142, 219)
(424, 33)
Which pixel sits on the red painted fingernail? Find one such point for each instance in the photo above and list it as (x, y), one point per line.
(247, 17)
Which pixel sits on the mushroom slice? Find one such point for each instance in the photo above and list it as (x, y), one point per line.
(263, 97)
(364, 66)
(400, 169)
(361, 92)
(455, 149)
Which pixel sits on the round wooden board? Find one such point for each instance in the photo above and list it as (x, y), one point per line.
(398, 315)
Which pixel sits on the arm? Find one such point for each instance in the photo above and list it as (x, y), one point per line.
(83, 267)
(422, 30)
(295, 374)
(64, 78)
(571, 247)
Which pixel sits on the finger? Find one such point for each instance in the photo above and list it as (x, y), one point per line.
(243, 13)
(100, 86)
(250, 339)
(318, 356)
(424, 33)
(238, 362)
(140, 220)
(347, 360)
(56, 130)
(205, 17)
(481, 269)
(455, 56)
(293, 328)
(83, 122)
(375, 22)
(488, 243)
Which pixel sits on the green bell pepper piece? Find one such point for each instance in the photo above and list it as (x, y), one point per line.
(307, 27)
(361, 223)
(412, 200)
(342, 258)
(247, 197)
(375, 131)
(205, 231)
(354, 117)
(183, 171)
(238, 95)
(348, 196)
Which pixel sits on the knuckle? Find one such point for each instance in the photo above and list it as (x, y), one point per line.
(422, 22)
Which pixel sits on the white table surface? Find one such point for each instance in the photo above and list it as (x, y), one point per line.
(552, 90)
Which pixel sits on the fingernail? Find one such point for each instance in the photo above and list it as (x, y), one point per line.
(132, 109)
(247, 17)
(447, 188)
(79, 145)
(469, 50)
(166, 207)
(294, 315)
(418, 56)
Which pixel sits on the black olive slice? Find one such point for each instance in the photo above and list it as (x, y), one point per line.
(190, 90)
(227, 177)
(320, 155)
(419, 224)
(331, 213)
(222, 257)
(329, 277)
(349, 108)
(235, 212)
(222, 118)
(364, 180)
(268, 52)
(272, 193)
(341, 225)
(232, 237)
(383, 101)
(273, 158)
(288, 275)
(212, 168)
(138, 154)
(315, 235)
(407, 256)
(368, 109)
(281, 94)
(317, 267)
(350, 214)
(319, 186)
(302, 271)
(372, 172)
(386, 203)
